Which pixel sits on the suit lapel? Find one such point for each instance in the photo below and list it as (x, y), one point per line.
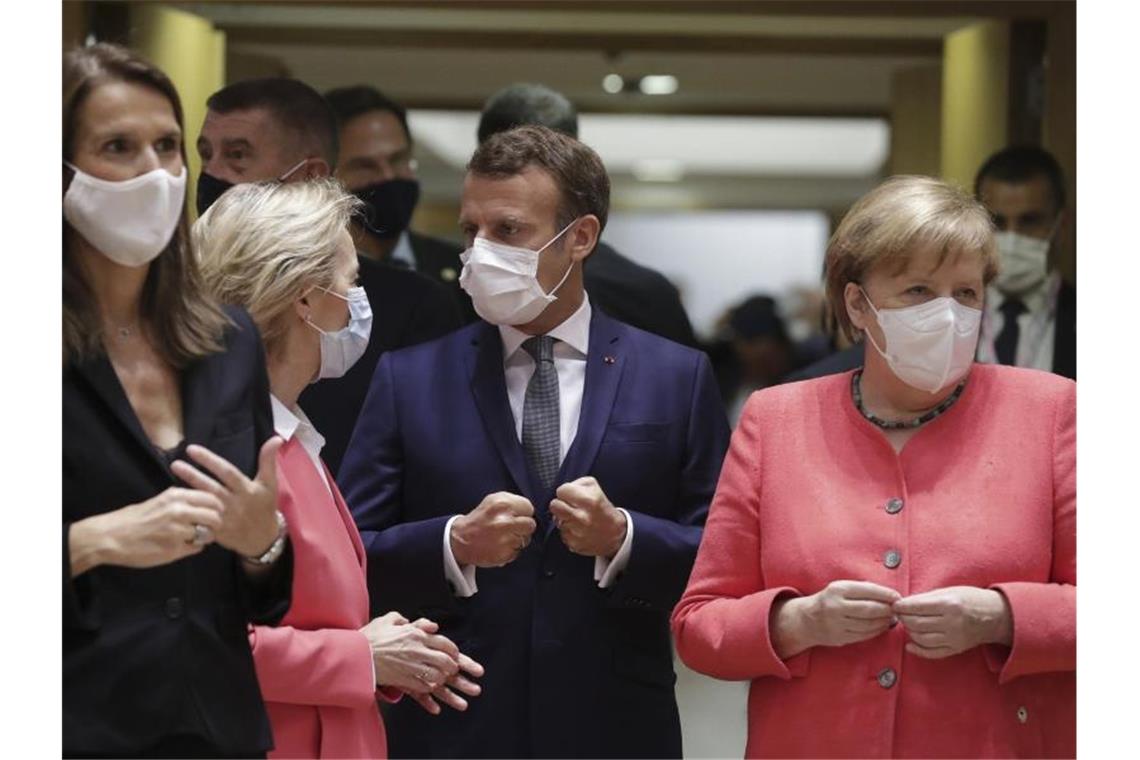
(100, 375)
(605, 364)
(346, 517)
(199, 402)
(489, 386)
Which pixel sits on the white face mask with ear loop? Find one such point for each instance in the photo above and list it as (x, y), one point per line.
(929, 345)
(342, 348)
(1024, 260)
(131, 221)
(502, 280)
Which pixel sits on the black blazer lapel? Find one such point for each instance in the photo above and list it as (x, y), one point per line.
(489, 386)
(100, 376)
(1065, 333)
(199, 403)
(604, 366)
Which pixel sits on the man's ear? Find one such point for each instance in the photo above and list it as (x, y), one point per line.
(584, 236)
(317, 168)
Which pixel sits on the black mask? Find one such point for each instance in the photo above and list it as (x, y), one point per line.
(388, 206)
(210, 188)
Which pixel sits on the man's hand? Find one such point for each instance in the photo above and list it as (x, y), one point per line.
(588, 522)
(495, 532)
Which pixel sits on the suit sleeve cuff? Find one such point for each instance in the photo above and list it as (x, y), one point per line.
(606, 571)
(462, 579)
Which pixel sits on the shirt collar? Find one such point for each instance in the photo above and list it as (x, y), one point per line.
(1041, 298)
(574, 331)
(289, 422)
(403, 250)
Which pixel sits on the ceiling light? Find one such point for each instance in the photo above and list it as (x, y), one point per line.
(658, 84)
(613, 83)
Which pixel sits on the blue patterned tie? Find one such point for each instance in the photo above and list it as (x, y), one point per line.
(540, 428)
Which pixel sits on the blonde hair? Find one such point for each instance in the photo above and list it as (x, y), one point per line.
(894, 221)
(262, 245)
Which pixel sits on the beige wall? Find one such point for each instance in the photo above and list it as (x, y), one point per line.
(975, 98)
(916, 121)
(193, 54)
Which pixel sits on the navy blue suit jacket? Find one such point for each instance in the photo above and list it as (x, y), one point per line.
(572, 670)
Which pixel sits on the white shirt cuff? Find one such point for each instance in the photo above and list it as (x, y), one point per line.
(606, 571)
(462, 579)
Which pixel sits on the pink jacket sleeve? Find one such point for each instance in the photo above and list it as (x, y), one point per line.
(720, 626)
(1045, 614)
(331, 666)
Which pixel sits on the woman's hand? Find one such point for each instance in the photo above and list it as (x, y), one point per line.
(412, 657)
(843, 613)
(949, 621)
(249, 524)
(154, 532)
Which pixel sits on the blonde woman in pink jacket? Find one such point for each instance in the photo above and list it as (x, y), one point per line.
(890, 556)
(283, 252)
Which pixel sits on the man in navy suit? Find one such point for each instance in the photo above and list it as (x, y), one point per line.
(537, 481)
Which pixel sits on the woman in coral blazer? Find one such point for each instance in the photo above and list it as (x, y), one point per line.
(284, 252)
(890, 556)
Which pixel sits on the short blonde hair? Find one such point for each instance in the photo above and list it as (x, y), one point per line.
(262, 245)
(903, 215)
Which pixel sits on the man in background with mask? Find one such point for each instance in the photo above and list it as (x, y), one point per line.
(376, 165)
(279, 128)
(622, 288)
(538, 482)
(1030, 318)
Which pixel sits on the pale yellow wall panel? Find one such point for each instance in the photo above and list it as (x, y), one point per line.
(975, 98)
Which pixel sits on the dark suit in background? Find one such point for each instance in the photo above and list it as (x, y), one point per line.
(153, 653)
(636, 295)
(572, 670)
(407, 308)
(439, 259)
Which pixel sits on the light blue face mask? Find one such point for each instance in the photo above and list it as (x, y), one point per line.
(344, 347)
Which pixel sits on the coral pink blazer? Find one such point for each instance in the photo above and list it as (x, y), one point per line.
(315, 668)
(988, 495)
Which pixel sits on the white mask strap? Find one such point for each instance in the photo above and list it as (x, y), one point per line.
(296, 166)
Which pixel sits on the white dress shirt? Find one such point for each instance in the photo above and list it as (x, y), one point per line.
(293, 422)
(572, 340)
(1037, 325)
(403, 251)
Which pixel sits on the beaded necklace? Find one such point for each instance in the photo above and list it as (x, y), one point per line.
(857, 395)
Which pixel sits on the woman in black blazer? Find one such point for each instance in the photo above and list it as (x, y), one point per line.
(159, 579)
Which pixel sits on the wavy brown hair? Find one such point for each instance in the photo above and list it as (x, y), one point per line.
(185, 321)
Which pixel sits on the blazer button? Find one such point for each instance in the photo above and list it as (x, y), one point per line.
(173, 608)
(1022, 715)
(892, 559)
(887, 678)
(894, 506)
(547, 573)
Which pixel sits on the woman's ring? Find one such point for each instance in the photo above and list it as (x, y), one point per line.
(201, 535)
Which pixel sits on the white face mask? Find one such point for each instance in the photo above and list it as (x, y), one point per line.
(129, 222)
(929, 345)
(1024, 262)
(343, 348)
(503, 283)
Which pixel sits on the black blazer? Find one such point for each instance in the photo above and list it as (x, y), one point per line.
(151, 653)
(407, 308)
(636, 295)
(439, 260)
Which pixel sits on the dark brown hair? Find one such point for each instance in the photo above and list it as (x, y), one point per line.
(576, 169)
(184, 321)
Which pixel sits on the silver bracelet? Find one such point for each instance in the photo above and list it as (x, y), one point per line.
(276, 548)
